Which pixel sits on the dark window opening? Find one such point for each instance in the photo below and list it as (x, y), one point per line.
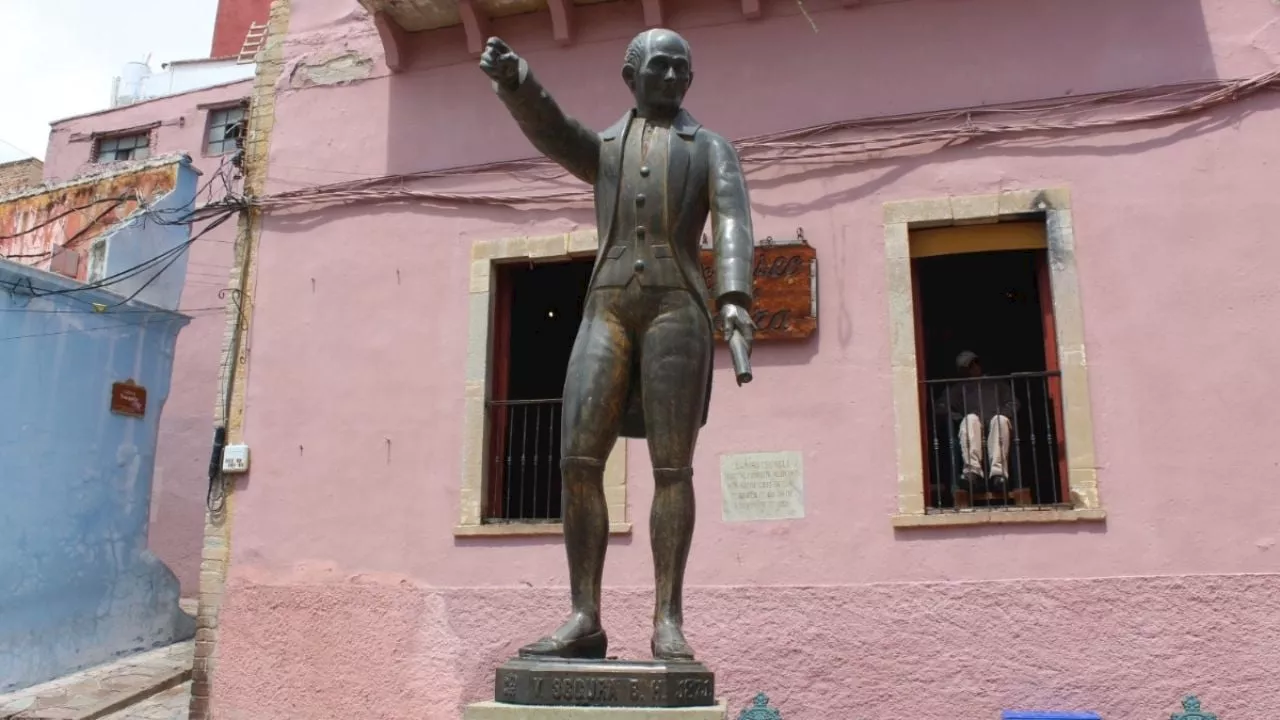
(993, 440)
(124, 147)
(226, 130)
(538, 310)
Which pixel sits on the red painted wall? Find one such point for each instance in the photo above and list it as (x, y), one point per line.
(234, 17)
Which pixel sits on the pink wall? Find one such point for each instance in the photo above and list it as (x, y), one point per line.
(343, 560)
(186, 430)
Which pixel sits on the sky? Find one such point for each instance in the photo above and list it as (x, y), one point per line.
(58, 57)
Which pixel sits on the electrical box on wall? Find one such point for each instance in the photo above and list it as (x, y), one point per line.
(235, 459)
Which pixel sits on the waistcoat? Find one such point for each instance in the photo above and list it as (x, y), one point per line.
(639, 245)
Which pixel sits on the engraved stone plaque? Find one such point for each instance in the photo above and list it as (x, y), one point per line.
(605, 683)
(762, 486)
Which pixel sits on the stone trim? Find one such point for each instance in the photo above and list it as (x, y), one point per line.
(484, 254)
(526, 529)
(1053, 207)
(215, 556)
(997, 517)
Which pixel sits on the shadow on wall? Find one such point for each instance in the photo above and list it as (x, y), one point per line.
(881, 59)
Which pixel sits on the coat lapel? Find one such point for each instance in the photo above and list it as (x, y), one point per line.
(614, 139)
(680, 154)
(608, 182)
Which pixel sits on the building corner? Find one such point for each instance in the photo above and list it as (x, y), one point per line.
(229, 410)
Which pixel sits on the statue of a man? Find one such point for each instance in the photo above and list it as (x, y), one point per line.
(641, 363)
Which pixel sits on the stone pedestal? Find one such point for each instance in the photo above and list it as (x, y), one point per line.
(503, 711)
(604, 683)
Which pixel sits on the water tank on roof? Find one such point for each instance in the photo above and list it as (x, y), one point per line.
(132, 78)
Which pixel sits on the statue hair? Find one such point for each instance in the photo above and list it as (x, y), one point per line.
(639, 46)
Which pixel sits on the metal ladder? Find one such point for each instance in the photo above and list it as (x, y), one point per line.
(253, 41)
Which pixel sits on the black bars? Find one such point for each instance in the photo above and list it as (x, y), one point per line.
(524, 472)
(993, 441)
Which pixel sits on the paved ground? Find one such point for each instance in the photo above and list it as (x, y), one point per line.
(142, 686)
(168, 705)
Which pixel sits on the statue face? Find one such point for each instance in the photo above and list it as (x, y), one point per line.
(661, 74)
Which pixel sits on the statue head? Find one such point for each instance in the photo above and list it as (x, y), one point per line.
(659, 71)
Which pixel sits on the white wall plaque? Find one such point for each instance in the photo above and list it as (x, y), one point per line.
(762, 486)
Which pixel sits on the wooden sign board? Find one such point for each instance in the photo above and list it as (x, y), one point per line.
(128, 398)
(786, 290)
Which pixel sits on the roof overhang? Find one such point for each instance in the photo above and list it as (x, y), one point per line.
(396, 18)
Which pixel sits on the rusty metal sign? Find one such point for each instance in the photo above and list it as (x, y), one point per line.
(786, 288)
(128, 398)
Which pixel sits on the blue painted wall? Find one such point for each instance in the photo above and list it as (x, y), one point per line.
(78, 586)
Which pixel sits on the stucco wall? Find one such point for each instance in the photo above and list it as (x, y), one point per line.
(80, 586)
(1125, 647)
(343, 554)
(69, 217)
(186, 435)
(146, 236)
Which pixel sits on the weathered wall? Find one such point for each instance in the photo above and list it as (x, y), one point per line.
(343, 555)
(20, 174)
(186, 434)
(69, 217)
(152, 234)
(80, 586)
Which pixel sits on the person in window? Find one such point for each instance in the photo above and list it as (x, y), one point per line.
(978, 405)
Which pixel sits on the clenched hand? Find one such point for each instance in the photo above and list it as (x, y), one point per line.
(500, 63)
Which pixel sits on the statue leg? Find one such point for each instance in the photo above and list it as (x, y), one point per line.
(595, 394)
(675, 358)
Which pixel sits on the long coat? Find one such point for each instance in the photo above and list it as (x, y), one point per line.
(704, 177)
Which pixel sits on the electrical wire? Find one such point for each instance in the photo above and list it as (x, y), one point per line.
(55, 218)
(174, 259)
(210, 209)
(91, 311)
(139, 323)
(168, 255)
(806, 145)
(69, 241)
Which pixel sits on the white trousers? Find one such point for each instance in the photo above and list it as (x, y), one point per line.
(997, 445)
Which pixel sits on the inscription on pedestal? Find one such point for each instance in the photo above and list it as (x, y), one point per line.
(605, 683)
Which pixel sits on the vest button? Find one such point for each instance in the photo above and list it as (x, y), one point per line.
(640, 199)
(644, 171)
(640, 231)
(639, 266)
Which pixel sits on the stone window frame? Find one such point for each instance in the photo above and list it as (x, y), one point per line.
(1052, 206)
(485, 254)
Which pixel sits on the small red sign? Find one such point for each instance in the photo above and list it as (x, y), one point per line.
(128, 398)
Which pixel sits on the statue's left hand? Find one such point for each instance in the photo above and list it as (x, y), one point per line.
(736, 317)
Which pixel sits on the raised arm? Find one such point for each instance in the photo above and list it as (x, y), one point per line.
(553, 133)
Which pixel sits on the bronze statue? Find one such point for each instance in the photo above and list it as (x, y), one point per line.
(641, 363)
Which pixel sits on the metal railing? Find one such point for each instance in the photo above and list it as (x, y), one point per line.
(524, 469)
(994, 441)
